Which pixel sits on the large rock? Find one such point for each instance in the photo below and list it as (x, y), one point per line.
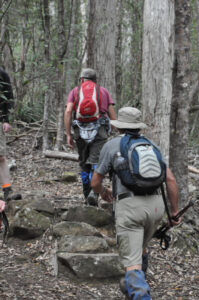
(68, 177)
(42, 205)
(15, 206)
(88, 214)
(98, 266)
(74, 228)
(108, 230)
(29, 223)
(82, 244)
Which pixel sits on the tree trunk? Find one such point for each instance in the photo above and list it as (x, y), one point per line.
(118, 52)
(47, 61)
(158, 53)
(102, 42)
(194, 90)
(197, 29)
(20, 88)
(136, 49)
(60, 74)
(5, 54)
(71, 64)
(180, 103)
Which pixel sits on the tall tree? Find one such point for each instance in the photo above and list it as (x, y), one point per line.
(158, 53)
(135, 9)
(180, 101)
(48, 79)
(71, 65)
(102, 42)
(197, 30)
(118, 51)
(5, 50)
(60, 75)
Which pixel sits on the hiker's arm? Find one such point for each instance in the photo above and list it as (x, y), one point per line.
(67, 122)
(111, 112)
(172, 192)
(2, 205)
(97, 186)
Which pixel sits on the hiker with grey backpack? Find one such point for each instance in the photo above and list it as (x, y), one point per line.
(138, 173)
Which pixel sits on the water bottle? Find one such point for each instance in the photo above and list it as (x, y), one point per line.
(119, 161)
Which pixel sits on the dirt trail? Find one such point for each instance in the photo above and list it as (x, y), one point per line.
(24, 276)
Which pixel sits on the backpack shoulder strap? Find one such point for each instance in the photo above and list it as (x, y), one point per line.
(152, 143)
(98, 95)
(77, 101)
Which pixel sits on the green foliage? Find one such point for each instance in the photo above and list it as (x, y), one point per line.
(26, 19)
(29, 113)
(132, 27)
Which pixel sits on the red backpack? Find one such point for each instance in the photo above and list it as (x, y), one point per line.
(88, 102)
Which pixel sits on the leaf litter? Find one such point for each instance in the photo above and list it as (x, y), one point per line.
(29, 269)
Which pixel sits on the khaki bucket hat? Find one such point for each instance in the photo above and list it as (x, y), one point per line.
(129, 118)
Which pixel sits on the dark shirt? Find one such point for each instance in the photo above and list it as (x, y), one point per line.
(6, 96)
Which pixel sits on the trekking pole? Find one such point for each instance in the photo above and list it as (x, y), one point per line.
(161, 232)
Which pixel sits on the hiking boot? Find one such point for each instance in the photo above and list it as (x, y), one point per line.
(92, 198)
(8, 194)
(136, 287)
(145, 259)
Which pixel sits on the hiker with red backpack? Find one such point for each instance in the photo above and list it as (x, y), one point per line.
(89, 108)
(138, 173)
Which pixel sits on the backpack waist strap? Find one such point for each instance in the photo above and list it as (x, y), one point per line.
(131, 194)
(124, 195)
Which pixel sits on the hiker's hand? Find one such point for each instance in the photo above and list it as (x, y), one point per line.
(107, 195)
(175, 222)
(6, 127)
(2, 205)
(70, 141)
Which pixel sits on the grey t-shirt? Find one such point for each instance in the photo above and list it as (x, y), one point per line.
(105, 164)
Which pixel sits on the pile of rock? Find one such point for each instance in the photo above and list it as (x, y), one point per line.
(85, 235)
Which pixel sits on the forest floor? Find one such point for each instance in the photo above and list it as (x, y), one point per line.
(23, 276)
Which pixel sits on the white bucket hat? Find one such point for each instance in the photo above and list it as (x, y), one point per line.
(129, 118)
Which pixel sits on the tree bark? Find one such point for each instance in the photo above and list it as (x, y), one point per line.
(197, 29)
(60, 75)
(136, 49)
(71, 65)
(102, 42)
(118, 52)
(5, 53)
(195, 88)
(158, 53)
(180, 103)
(47, 61)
